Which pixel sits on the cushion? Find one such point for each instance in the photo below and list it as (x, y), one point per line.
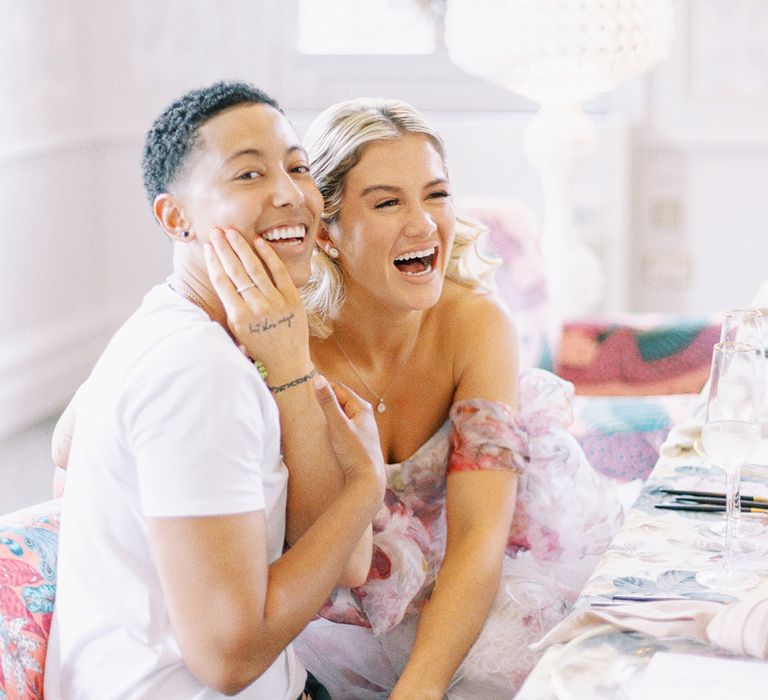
(513, 235)
(647, 354)
(622, 435)
(28, 542)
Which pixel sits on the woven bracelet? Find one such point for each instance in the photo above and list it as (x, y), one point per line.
(295, 382)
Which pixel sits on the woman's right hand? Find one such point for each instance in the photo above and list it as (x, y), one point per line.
(353, 433)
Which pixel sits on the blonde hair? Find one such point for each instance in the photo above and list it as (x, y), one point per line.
(335, 142)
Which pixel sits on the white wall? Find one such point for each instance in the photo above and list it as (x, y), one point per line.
(81, 81)
(53, 313)
(702, 166)
(79, 85)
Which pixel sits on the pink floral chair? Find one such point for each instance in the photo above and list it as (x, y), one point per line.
(28, 540)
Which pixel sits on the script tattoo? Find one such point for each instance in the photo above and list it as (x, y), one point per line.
(269, 325)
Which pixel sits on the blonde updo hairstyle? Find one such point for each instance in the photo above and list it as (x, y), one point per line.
(335, 142)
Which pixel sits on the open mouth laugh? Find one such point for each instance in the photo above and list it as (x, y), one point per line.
(417, 263)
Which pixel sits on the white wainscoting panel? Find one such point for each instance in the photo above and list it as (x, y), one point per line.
(82, 251)
(41, 368)
(713, 88)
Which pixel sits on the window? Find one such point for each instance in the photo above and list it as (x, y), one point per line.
(330, 50)
(384, 27)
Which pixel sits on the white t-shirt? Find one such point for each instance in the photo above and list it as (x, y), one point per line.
(173, 421)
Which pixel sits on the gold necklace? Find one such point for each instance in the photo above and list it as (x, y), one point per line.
(380, 406)
(197, 301)
(194, 298)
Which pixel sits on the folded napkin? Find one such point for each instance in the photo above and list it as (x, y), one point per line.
(741, 628)
(682, 437)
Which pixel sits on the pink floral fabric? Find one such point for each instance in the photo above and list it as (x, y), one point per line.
(565, 517)
(28, 541)
(484, 436)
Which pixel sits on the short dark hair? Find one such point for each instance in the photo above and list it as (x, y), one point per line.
(174, 133)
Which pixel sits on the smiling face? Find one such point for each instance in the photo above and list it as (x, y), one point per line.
(248, 172)
(396, 223)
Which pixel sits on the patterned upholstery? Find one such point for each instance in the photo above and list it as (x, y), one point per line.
(28, 540)
(639, 354)
(622, 435)
(643, 375)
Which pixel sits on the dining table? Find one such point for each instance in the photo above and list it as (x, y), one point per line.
(656, 554)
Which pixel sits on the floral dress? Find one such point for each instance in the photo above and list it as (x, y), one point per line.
(565, 516)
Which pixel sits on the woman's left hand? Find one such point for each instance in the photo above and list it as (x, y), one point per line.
(266, 315)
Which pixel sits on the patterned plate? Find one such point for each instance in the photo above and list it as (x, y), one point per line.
(607, 664)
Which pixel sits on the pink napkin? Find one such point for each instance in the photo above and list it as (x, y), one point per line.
(741, 628)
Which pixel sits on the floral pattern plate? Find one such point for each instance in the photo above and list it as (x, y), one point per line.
(606, 664)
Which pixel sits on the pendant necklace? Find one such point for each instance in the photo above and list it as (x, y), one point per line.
(380, 406)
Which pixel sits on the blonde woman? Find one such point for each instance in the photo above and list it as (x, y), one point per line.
(401, 309)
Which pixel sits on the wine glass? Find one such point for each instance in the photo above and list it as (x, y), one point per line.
(746, 326)
(762, 325)
(730, 435)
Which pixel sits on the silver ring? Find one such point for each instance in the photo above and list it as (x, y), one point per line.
(240, 290)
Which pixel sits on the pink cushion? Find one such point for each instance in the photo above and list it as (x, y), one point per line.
(28, 541)
(513, 235)
(638, 354)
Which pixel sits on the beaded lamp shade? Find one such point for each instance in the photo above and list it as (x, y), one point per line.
(558, 50)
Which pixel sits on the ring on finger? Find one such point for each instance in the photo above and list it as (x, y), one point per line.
(240, 290)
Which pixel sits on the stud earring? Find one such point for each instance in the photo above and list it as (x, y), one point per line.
(185, 234)
(333, 253)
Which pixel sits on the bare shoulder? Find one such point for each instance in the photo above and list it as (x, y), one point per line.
(472, 313)
(482, 335)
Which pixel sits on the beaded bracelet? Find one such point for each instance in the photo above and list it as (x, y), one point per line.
(262, 370)
(258, 364)
(295, 382)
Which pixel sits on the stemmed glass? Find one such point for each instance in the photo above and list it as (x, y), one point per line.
(746, 326)
(730, 435)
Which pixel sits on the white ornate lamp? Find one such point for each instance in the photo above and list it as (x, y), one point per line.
(559, 53)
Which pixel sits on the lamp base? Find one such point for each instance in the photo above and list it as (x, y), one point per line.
(556, 140)
(575, 278)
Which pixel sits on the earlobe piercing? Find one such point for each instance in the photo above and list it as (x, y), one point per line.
(333, 253)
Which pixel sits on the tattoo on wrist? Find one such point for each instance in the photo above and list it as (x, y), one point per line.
(292, 383)
(268, 325)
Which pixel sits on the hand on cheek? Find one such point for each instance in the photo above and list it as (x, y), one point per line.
(263, 306)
